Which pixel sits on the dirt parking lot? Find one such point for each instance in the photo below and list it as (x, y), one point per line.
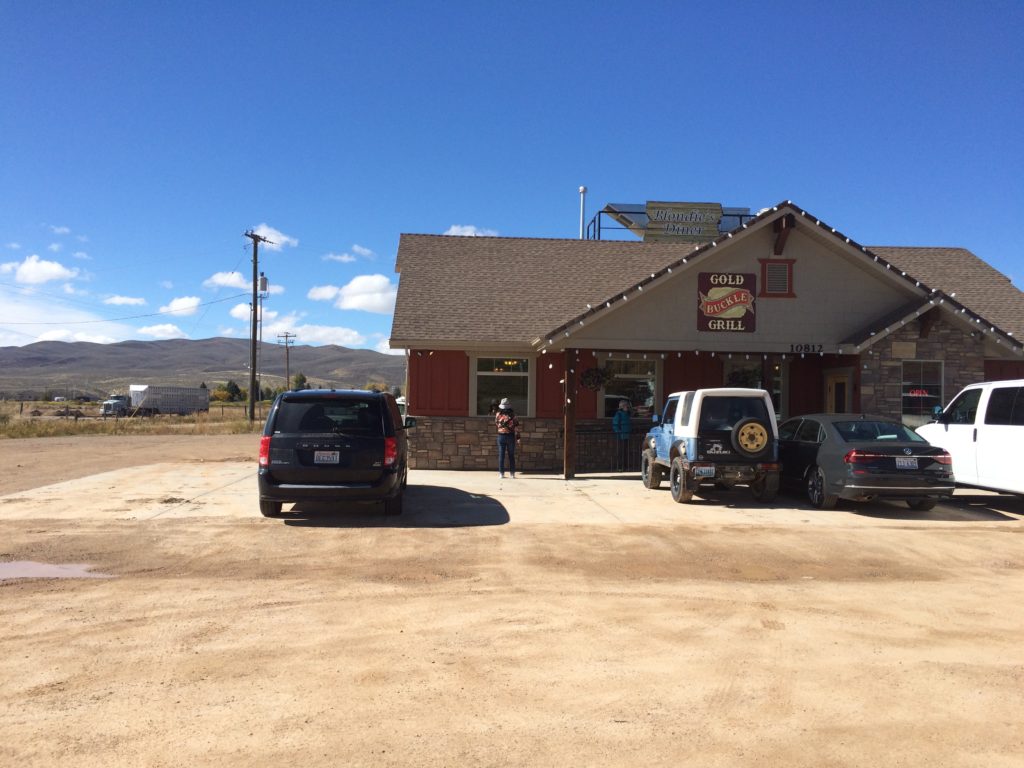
(527, 622)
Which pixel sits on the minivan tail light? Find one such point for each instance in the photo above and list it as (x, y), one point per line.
(265, 451)
(390, 451)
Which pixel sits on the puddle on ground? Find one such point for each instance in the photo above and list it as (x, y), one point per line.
(26, 569)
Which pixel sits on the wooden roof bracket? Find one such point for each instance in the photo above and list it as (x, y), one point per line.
(926, 321)
(782, 226)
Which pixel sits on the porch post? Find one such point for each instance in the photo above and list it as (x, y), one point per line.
(569, 417)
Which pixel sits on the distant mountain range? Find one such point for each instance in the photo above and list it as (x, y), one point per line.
(76, 368)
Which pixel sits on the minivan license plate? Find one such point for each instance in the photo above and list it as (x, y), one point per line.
(326, 457)
(906, 462)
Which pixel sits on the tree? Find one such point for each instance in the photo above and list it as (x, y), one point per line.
(375, 385)
(300, 381)
(233, 390)
(396, 391)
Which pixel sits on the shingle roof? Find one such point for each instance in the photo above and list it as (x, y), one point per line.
(963, 276)
(511, 291)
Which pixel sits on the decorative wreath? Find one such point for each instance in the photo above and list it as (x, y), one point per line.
(595, 378)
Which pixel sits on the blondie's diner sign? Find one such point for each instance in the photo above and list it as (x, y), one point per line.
(726, 302)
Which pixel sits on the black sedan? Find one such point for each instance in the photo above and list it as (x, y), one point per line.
(858, 457)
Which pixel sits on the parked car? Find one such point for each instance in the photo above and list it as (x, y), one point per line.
(983, 428)
(720, 437)
(860, 457)
(333, 445)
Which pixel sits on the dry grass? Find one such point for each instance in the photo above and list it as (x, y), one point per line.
(40, 419)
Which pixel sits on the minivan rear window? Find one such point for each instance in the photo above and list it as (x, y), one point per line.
(355, 417)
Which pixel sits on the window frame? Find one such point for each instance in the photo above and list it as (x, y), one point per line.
(904, 415)
(656, 390)
(474, 374)
(764, 293)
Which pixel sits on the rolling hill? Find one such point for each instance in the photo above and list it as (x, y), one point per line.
(76, 368)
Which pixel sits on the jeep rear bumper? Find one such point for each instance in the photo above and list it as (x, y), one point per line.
(706, 473)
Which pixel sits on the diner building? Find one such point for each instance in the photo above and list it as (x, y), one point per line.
(708, 297)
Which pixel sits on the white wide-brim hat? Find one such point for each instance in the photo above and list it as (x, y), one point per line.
(505, 403)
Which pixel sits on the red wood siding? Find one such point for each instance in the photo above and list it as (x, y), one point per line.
(438, 384)
(1001, 370)
(691, 372)
(806, 387)
(549, 389)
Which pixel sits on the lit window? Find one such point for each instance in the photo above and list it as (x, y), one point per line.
(777, 278)
(921, 390)
(501, 377)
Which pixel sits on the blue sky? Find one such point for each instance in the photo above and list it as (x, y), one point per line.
(140, 140)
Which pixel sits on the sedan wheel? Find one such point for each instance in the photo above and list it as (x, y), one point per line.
(816, 486)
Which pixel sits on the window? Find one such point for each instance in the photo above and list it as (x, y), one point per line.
(777, 278)
(810, 432)
(500, 377)
(1005, 406)
(964, 409)
(632, 380)
(922, 390)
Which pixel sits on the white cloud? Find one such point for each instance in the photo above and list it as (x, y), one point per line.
(163, 331)
(64, 335)
(35, 271)
(242, 312)
(121, 301)
(182, 306)
(80, 255)
(25, 318)
(468, 230)
(227, 280)
(370, 293)
(166, 284)
(385, 347)
(60, 230)
(53, 247)
(70, 290)
(238, 281)
(344, 258)
(323, 292)
(322, 334)
(277, 238)
(14, 246)
(82, 238)
(366, 253)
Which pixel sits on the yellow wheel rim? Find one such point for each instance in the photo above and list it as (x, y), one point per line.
(753, 437)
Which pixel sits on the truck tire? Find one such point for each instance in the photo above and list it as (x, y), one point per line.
(651, 472)
(678, 482)
(767, 488)
(751, 438)
(270, 508)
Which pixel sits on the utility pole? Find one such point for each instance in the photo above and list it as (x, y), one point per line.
(286, 339)
(256, 240)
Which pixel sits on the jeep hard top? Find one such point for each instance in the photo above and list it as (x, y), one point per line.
(714, 437)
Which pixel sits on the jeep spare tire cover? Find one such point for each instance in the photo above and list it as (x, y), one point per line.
(750, 437)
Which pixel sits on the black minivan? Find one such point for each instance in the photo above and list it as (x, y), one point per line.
(333, 445)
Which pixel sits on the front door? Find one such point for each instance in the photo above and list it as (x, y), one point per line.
(837, 392)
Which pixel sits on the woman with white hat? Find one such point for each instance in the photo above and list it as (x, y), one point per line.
(508, 435)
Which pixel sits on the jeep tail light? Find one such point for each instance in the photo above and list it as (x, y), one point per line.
(390, 451)
(265, 451)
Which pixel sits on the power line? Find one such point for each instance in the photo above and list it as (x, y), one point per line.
(176, 312)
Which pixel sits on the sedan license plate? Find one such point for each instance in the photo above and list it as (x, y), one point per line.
(906, 462)
(326, 457)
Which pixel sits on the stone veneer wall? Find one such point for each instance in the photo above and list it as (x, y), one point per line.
(881, 375)
(457, 442)
(463, 442)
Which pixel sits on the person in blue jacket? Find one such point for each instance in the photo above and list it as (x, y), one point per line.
(621, 427)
